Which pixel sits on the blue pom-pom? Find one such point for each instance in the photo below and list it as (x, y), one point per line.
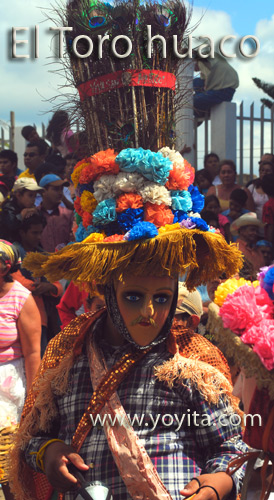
(129, 217)
(200, 223)
(181, 200)
(153, 166)
(86, 187)
(105, 212)
(198, 200)
(179, 215)
(143, 230)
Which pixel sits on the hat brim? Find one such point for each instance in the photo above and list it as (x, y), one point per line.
(58, 183)
(234, 228)
(201, 254)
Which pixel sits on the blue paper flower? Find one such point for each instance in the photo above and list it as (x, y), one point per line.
(105, 212)
(268, 282)
(200, 223)
(179, 215)
(153, 166)
(83, 233)
(181, 200)
(112, 228)
(128, 218)
(143, 230)
(198, 200)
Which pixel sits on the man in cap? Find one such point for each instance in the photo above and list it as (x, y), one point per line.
(246, 227)
(59, 219)
(189, 307)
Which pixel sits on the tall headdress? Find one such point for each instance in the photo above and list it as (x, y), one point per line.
(137, 209)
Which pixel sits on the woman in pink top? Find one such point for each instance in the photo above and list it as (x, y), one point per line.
(20, 338)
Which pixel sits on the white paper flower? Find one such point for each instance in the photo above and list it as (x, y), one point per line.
(128, 182)
(174, 156)
(156, 194)
(103, 187)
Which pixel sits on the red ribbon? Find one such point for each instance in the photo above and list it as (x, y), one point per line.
(128, 78)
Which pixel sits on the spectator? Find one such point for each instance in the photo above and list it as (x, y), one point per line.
(30, 133)
(189, 308)
(211, 218)
(52, 165)
(237, 202)
(227, 173)
(211, 165)
(6, 185)
(59, 219)
(267, 157)
(268, 208)
(20, 205)
(46, 295)
(266, 249)
(203, 181)
(74, 300)
(34, 155)
(212, 204)
(8, 163)
(255, 187)
(246, 227)
(217, 83)
(58, 132)
(20, 332)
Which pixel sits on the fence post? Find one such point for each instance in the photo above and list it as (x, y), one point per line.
(12, 127)
(223, 130)
(184, 115)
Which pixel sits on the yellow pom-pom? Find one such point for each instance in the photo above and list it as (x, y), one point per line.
(169, 227)
(94, 237)
(75, 176)
(228, 287)
(88, 202)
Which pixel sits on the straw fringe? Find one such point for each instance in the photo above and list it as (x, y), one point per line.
(243, 355)
(203, 255)
(209, 381)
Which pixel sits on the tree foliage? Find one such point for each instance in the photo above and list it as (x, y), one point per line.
(268, 89)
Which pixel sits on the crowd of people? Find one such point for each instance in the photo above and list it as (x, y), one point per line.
(37, 215)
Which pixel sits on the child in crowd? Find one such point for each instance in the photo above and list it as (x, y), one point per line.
(211, 218)
(237, 201)
(266, 249)
(203, 180)
(189, 307)
(20, 205)
(268, 208)
(212, 203)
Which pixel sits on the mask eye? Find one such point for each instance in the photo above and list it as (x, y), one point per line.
(163, 17)
(97, 21)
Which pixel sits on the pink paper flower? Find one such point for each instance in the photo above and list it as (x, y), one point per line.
(240, 310)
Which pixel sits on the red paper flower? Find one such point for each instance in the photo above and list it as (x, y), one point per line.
(159, 215)
(102, 163)
(114, 237)
(128, 200)
(77, 206)
(87, 219)
(181, 176)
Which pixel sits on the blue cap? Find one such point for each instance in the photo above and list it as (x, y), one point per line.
(52, 179)
(263, 243)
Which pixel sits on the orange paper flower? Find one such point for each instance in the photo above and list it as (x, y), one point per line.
(114, 237)
(87, 219)
(77, 171)
(102, 163)
(181, 176)
(128, 200)
(159, 215)
(77, 206)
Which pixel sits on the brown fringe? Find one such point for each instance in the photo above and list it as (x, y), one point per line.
(242, 354)
(209, 381)
(203, 255)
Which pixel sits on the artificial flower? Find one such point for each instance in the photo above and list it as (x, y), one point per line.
(101, 163)
(94, 237)
(128, 200)
(128, 182)
(159, 215)
(179, 215)
(153, 166)
(87, 219)
(261, 337)
(130, 217)
(142, 230)
(198, 200)
(75, 176)
(77, 206)
(200, 223)
(105, 212)
(169, 227)
(240, 310)
(104, 187)
(85, 187)
(181, 176)
(187, 223)
(268, 281)
(88, 202)
(78, 218)
(153, 193)
(112, 228)
(181, 200)
(228, 287)
(114, 237)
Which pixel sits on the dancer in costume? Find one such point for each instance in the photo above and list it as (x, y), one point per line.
(138, 228)
(242, 322)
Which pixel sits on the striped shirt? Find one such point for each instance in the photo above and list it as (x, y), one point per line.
(10, 307)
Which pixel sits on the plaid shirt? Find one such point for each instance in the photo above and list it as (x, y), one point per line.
(177, 454)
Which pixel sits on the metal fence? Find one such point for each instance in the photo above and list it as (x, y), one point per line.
(255, 136)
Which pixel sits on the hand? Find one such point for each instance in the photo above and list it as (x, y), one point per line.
(56, 458)
(43, 288)
(28, 212)
(221, 481)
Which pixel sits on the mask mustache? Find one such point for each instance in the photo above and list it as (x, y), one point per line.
(140, 319)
